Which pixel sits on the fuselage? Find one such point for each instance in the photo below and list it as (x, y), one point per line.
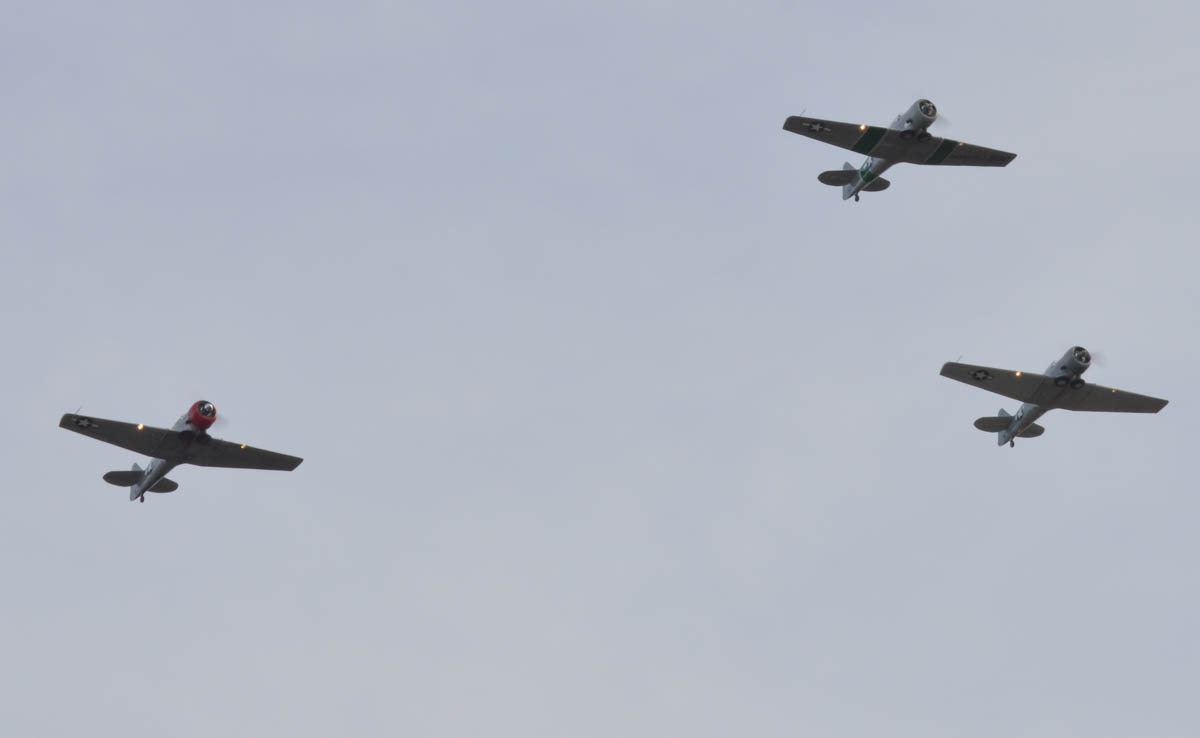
(195, 422)
(916, 120)
(154, 471)
(1065, 370)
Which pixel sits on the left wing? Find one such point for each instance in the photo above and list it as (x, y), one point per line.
(239, 456)
(948, 152)
(1041, 390)
(1100, 399)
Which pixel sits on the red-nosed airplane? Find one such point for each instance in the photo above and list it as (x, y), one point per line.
(186, 442)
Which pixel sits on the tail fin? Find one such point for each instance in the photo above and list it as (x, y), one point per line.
(133, 490)
(848, 188)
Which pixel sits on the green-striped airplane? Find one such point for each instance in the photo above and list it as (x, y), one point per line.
(907, 140)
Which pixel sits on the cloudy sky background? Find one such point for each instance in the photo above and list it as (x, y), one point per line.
(616, 421)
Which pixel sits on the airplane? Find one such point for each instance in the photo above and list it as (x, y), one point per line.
(186, 442)
(1060, 387)
(907, 140)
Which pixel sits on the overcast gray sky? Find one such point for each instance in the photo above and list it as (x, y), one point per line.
(616, 421)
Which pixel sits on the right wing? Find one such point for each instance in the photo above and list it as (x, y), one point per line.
(1021, 386)
(850, 136)
(140, 439)
(1041, 390)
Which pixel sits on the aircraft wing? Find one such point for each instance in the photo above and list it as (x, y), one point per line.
(886, 143)
(1041, 390)
(1021, 386)
(1100, 399)
(846, 135)
(141, 439)
(948, 152)
(239, 456)
(161, 443)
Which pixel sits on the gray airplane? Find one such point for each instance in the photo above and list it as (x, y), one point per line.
(186, 442)
(907, 140)
(1062, 386)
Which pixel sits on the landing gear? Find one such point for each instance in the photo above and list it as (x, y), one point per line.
(1012, 444)
(856, 197)
(906, 134)
(1077, 383)
(925, 136)
(142, 498)
(1061, 381)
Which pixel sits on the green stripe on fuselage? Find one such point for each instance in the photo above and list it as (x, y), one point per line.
(940, 154)
(867, 141)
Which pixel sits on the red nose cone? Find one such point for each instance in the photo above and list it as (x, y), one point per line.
(202, 414)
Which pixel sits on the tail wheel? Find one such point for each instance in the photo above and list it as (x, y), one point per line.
(1077, 383)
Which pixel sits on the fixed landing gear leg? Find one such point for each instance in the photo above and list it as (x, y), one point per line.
(856, 198)
(1012, 444)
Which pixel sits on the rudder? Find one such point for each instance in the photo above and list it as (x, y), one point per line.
(848, 188)
(133, 490)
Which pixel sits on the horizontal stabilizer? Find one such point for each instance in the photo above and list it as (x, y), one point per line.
(123, 478)
(877, 185)
(1033, 431)
(164, 485)
(838, 177)
(993, 424)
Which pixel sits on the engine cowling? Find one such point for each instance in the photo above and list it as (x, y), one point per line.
(202, 414)
(920, 116)
(1075, 361)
